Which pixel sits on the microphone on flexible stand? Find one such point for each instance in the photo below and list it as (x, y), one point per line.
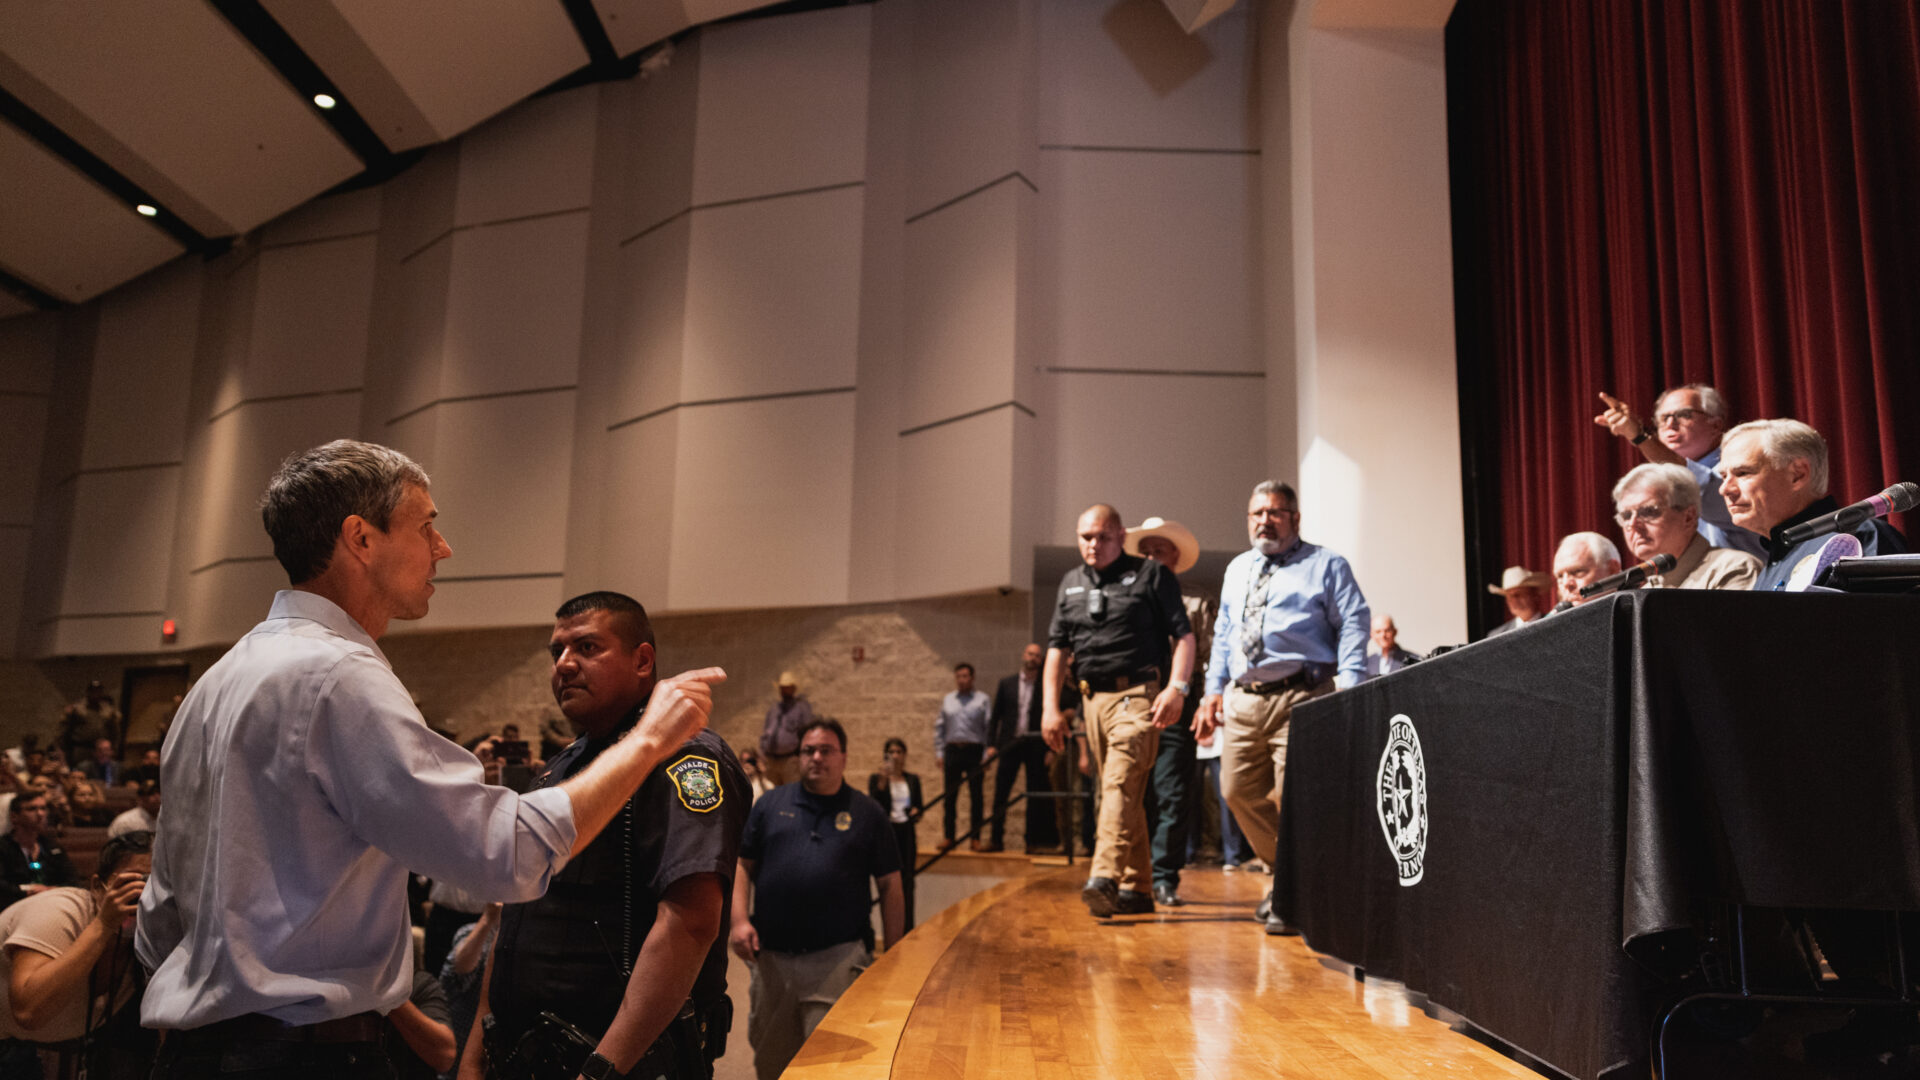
(1897, 499)
(1629, 578)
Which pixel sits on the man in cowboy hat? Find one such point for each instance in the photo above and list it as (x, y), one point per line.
(780, 737)
(1170, 795)
(1528, 594)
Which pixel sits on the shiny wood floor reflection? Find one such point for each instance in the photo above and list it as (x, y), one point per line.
(1021, 982)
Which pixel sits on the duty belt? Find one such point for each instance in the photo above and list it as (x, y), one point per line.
(1308, 676)
(253, 1027)
(1113, 684)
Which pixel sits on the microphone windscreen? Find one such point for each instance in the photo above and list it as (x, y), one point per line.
(1662, 563)
(1903, 496)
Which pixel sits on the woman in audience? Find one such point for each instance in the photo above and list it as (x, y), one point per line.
(898, 793)
(53, 944)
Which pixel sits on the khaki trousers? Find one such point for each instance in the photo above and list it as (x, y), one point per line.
(791, 995)
(1253, 760)
(1121, 734)
(780, 770)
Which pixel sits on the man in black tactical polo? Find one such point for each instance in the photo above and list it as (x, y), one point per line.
(1115, 616)
(626, 945)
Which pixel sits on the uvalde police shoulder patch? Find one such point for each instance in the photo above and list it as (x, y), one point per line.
(696, 780)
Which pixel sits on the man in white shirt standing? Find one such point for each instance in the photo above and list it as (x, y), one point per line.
(302, 785)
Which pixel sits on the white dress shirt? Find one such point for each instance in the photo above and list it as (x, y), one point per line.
(302, 785)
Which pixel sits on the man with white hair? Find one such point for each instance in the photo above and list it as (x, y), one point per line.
(1582, 559)
(1776, 474)
(1658, 508)
(1688, 420)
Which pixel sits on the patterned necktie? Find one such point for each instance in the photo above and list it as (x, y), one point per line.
(1253, 615)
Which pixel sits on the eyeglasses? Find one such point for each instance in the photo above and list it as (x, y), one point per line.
(1676, 416)
(1649, 513)
(1256, 515)
(819, 751)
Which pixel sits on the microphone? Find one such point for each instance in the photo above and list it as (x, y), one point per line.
(1629, 578)
(1896, 499)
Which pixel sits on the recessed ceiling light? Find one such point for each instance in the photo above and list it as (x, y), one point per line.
(147, 210)
(325, 101)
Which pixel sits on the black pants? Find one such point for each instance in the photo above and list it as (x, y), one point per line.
(909, 843)
(183, 1059)
(962, 759)
(1170, 797)
(1027, 753)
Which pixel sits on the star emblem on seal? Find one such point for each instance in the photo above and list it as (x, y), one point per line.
(1401, 790)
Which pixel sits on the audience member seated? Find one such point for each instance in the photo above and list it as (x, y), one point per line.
(460, 976)
(148, 769)
(104, 765)
(54, 944)
(89, 804)
(1776, 474)
(420, 1032)
(1658, 508)
(145, 815)
(1582, 559)
(1387, 655)
(1527, 594)
(1689, 421)
(94, 716)
(30, 862)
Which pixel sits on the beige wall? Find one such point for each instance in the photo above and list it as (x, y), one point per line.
(844, 308)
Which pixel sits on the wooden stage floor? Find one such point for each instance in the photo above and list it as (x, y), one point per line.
(1020, 981)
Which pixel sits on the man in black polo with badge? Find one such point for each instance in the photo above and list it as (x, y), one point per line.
(626, 947)
(1116, 615)
(801, 912)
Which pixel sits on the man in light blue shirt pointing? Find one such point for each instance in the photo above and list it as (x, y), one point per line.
(1292, 626)
(303, 785)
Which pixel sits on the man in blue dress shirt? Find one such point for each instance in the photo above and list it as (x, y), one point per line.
(1292, 626)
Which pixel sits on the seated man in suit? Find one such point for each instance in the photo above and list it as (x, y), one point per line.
(1389, 656)
(1582, 559)
(1658, 508)
(1013, 730)
(1776, 474)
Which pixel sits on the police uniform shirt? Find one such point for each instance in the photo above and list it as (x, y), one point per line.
(1140, 614)
(812, 856)
(559, 953)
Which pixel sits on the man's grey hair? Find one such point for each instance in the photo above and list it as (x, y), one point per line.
(1783, 442)
(1598, 546)
(315, 492)
(1710, 400)
(1673, 485)
(1275, 487)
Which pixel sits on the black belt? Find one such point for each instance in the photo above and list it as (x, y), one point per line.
(1306, 677)
(254, 1027)
(1111, 684)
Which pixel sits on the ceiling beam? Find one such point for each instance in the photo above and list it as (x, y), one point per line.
(261, 30)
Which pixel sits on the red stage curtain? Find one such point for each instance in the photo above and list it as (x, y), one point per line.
(1654, 192)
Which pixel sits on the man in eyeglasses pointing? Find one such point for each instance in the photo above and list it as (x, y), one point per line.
(1688, 421)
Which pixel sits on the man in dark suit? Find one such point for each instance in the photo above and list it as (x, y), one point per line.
(1013, 730)
(1388, 656)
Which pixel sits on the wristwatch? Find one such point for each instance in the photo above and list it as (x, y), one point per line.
(1643, 436)
(598, 1068)
(1181, 687)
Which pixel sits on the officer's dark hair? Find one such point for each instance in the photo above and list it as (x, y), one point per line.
(629, 618)
(830, 724)
(119, 849)
(963, 666)
(315, 492)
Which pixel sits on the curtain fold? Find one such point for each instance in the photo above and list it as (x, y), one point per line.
(1656, 192)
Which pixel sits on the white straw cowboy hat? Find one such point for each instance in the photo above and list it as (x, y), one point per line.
(1181, 537)
(1519, 577)
(787, 678)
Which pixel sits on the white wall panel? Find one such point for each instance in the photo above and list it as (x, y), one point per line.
(142, 361)
(773, 296)
(962, 302)
(416, 312)
(122, 542)
(350, 213)
(23, 427)
(783, 105)
(499, 480)
(534, 159)
(649, 351)
(642, 461)
(744, 467)
(221, 603)
(1123, 73)
(474, 605)
(956, 506)
(1158, 260)
(514, 298)
(240, 452)
(972, 87)
(311, 309)
(1182, 447)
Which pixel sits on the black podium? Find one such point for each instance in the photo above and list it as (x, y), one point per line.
(1521, 829)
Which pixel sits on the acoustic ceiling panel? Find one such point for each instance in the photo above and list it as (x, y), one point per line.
(64, 235)
(169, 95)
(633, 25)
(446, 63)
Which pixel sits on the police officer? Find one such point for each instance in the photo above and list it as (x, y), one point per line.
(1116, 616)
(626, 945)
